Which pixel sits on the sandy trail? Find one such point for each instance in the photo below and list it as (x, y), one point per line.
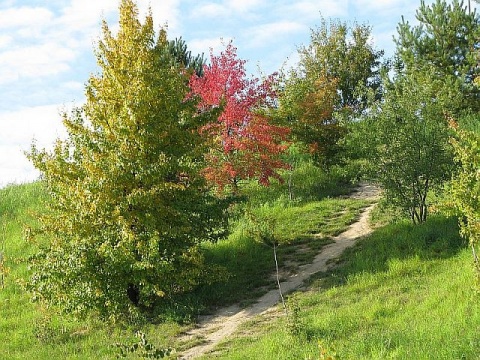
(219, 326)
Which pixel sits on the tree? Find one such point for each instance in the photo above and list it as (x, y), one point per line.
(315, 125)
(178, 49)
(445, 39)
(129, 206)
(465, 187)
(332, 77)
(410, 132)
(243, 142)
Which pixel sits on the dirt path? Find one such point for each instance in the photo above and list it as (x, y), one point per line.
(215, 328)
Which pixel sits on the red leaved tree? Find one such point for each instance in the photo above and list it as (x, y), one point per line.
(243, 143)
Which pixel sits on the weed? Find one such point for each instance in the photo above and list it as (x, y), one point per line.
(295, 326)
(326, 352)
(47, 332)
(142, 348)
(3, 270)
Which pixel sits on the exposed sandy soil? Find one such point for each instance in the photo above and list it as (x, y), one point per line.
(215, 328)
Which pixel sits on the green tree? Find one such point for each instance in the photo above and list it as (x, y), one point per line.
(178, 48)
(129, 207)
(445, 39)
(465, 187)
(332, 77)
(409, 131)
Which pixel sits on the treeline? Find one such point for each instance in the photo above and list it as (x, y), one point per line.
(158, 155)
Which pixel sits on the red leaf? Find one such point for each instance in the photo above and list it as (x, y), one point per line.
(249, 146)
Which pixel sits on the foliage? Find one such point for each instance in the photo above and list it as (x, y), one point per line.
(129, 206)
(178, 49)
(444, 38)
(334, 72)
(465, 187)
(436, 64)
(410, 134)
(243, 143)
(345, 54)
(294, 323)
(314, 124)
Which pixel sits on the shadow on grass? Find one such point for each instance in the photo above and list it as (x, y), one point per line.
(438, 238)
(244, 275)
(248, 266)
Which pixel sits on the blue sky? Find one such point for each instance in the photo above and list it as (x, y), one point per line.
(46, 50)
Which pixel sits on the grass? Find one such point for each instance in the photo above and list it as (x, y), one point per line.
(249, 261)
(306, 182)
(30, 331)
(404, 293)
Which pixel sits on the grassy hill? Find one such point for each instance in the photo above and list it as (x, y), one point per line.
(404, 293)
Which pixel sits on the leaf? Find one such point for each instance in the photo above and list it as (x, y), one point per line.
(243, 142)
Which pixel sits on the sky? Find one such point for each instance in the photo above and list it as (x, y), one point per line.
(46, 51)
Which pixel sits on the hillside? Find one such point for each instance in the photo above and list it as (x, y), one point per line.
(401, 293)
(404, 292)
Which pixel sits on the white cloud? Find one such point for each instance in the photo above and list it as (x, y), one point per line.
(244, 5)
(198, 46)
(307, 10)
(229, 9)
(24, 17)
(15, 168)
(5, 41)
(85, 15)
(388, 10)
(42, 123)
(17, 130)
(40, 44)
(165, 11)
(44, 44)
(272, 32)
(384, 4)
(34, 61)
(210, 10)
(73, 85)
(79, 24)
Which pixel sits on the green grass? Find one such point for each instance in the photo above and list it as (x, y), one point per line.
(30, 331)
(249, 261)
(306, 182)
(404, 293)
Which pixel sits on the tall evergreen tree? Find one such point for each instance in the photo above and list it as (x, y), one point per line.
(446, 38)
(178, 49)
(129, 207)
